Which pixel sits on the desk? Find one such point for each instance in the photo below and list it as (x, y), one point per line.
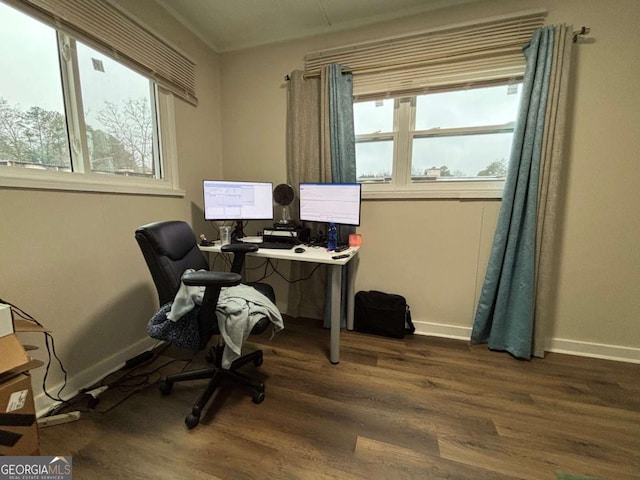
(318, 255)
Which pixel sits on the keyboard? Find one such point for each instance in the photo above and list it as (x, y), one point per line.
(276, 245)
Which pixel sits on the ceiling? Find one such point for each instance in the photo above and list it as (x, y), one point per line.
(227, 25)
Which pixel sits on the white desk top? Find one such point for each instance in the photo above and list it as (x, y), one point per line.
(311, 254)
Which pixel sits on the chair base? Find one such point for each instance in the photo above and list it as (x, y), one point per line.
(216, 375)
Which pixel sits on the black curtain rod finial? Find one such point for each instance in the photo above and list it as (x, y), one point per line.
(583, 31)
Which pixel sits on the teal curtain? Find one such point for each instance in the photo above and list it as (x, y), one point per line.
(341, 131)
(505, 315)
(343, 155)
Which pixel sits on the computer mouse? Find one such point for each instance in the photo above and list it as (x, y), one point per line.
(299, 250)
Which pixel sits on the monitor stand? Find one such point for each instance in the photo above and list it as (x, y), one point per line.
(238, 232)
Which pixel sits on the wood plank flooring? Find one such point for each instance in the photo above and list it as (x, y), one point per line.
(418, 408)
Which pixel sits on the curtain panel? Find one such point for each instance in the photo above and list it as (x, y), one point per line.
(308, 160)
(515, 297)
(320, 148)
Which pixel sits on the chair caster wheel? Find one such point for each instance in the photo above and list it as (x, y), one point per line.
(191, 421)
(165, 387)
(258, 361)
(258, 398)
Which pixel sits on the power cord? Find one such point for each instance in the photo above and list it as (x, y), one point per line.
(51, 352)
(274, 270)
(129, 383)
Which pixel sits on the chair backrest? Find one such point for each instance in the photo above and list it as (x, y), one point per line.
(169, 248)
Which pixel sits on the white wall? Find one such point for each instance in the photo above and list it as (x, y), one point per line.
(435, 252)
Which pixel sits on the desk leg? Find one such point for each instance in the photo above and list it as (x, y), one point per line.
(336, 287)
(351, 286)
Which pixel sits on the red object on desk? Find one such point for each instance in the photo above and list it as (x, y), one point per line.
(355, 239)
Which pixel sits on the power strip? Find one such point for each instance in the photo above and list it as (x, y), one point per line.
(138, 359)
(58, 419)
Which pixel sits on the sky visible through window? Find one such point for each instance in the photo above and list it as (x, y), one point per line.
(29, 62)
(28, 50)
(463, 155)
(116, 101)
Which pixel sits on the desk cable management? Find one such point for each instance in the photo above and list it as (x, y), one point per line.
(274, 270)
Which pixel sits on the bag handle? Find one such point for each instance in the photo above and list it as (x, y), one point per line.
(409, 327)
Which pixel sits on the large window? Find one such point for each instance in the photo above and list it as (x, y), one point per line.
(72, 116)
(459, 140)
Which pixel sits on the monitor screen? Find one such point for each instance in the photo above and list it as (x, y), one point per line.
(231, 200)
(330, 203)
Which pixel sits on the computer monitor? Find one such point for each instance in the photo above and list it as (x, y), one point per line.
(337, 203)
(237, 201)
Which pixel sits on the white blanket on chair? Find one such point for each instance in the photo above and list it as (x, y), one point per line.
(239, 309)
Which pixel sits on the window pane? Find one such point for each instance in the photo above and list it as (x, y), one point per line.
(33, 129)
(373, 117)
(468, 108)
(374, 161)
(461, 156)
(118, 115)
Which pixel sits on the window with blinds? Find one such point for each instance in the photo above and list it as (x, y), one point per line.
(103, 26)
(435, 111)
(485, 52)
(75, 118)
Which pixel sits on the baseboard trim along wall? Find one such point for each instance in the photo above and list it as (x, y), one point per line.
(594, 350)
(90, 376)
(556, 345)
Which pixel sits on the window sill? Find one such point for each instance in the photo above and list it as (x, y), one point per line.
(468, 190)
(88, 183)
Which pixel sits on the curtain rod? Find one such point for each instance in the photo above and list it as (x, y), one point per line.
(577, 33)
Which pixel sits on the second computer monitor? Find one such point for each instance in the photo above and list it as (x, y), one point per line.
(337, 203)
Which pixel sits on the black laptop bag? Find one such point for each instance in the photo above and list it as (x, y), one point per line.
(380, 313)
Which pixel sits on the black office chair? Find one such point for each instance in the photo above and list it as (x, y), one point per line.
(169, 249)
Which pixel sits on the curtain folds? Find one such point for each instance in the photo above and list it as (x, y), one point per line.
(320, 148)
(515, 292)
(307, 161)
(342, 144)
(549, 191)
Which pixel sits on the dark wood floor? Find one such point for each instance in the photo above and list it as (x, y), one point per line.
(419, 408)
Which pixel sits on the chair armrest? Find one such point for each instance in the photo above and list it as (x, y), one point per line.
(211, 279)
(239, 248)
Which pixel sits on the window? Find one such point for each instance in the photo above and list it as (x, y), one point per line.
(450, 143)
(435, 109)
(74, 118)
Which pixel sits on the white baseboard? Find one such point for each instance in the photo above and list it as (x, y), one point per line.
(556, 345)
(91, 375)
(594, 350)
(441, 330)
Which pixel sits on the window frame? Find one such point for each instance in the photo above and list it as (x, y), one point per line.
(81, 178)
(401, 186)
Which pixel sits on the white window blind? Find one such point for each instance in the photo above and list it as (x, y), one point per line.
(105, 27)
(484, 52)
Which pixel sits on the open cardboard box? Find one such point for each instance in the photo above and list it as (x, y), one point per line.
(18, 426)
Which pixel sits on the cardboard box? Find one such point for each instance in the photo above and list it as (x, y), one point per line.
(18, 426)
